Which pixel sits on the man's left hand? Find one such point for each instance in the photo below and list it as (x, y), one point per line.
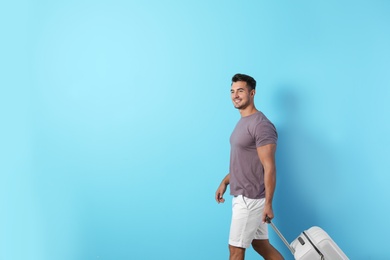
(268, 212)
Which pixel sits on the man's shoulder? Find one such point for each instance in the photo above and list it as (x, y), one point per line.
(260, 117)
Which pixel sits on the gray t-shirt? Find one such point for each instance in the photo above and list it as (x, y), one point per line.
(246, 170)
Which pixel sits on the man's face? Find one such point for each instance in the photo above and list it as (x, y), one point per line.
(240, 94)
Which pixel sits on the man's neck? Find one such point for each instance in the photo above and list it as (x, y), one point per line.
(248, 111)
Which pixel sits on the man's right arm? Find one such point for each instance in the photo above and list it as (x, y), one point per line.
(222, 188)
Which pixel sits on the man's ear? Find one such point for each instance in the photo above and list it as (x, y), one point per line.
(253, 92)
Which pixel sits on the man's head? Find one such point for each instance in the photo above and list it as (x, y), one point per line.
(250, 82)
(243, 91)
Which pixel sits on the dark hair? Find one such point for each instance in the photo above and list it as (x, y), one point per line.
(250, 82)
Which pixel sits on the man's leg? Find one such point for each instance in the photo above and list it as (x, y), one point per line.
(236, 253)
(266, 250)
(240, 236)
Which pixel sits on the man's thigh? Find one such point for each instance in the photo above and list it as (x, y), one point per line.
(246, 222)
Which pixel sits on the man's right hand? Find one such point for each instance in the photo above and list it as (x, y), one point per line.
(219, 193)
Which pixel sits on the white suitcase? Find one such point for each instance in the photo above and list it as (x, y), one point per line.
(312, 244)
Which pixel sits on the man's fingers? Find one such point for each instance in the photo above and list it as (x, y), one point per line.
(267, 218)
(218, 197)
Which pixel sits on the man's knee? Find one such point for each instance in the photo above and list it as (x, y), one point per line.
(261, 246)
(236, 252)
(265, 249)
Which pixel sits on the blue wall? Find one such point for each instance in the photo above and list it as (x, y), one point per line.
(115, 120)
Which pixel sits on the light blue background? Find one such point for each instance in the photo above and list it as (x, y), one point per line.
(115, 121)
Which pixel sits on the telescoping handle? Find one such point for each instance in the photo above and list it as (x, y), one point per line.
(280, 235)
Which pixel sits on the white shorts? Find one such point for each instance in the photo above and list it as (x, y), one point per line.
(247, 221)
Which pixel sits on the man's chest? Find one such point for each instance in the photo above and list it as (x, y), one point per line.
(242, 137)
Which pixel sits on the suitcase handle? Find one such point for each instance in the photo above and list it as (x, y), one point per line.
(292, 250)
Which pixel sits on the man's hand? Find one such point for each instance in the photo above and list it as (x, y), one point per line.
(219, 193)
(221, 189)
(268, 212)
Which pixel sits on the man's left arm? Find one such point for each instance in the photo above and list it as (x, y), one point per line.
(267, 157)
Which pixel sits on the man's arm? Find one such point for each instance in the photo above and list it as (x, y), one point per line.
(267, 157)
(222, 188)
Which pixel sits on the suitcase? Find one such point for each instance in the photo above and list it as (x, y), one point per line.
(312, 244)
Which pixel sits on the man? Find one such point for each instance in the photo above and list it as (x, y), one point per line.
(252, 175)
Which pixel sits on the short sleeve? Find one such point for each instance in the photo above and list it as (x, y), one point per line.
(265, 133)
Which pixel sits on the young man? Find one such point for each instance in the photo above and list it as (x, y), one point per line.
(252, 175)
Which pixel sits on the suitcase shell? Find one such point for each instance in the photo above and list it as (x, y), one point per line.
(312, 244)
(315, 243)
